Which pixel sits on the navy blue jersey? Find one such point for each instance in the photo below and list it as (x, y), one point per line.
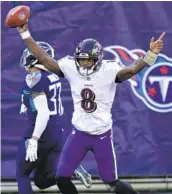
(49, 83)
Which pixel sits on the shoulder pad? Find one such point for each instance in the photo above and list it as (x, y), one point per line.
(68, 57)
(117, 62)
(53, 77)
(120, 64)
(32, 79)
(110, 61)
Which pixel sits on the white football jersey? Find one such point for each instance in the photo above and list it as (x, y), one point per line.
(92, 96)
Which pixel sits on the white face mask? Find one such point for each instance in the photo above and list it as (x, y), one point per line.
(86, 71)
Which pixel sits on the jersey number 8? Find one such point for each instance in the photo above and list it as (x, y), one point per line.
(87, 103)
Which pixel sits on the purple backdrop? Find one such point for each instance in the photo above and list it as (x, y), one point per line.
(142, 111)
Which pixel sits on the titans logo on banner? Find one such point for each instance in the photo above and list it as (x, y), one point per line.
(153, 85)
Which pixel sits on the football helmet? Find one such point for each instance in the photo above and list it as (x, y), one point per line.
(29, 60)
(88, 49)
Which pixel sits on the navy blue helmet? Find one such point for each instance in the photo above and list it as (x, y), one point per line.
(89, 49)
(29, 60)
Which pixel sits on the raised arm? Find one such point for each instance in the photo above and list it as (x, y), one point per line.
(138, 65)
(39, 53)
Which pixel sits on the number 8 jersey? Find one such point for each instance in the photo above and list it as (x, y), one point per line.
(35, 83)
(92, 95)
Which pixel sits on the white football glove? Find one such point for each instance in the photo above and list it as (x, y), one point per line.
(31, 152)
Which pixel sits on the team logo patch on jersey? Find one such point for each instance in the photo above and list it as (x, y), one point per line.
(33, 78)
(153, 85)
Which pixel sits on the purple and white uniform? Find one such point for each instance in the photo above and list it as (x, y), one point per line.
(92, 120)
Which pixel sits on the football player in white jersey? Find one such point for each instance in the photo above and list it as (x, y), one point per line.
(93, 83)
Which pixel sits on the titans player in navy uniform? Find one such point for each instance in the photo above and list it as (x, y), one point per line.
(42, 144)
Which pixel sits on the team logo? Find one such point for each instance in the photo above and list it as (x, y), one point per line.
(153, 85)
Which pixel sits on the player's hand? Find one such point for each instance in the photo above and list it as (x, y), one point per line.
(157, 46)
(23, 28)
(31, 152)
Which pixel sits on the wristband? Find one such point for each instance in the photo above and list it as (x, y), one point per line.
(25, 34)
(150, 57)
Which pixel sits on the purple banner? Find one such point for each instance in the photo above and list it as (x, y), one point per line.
(142, 110)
